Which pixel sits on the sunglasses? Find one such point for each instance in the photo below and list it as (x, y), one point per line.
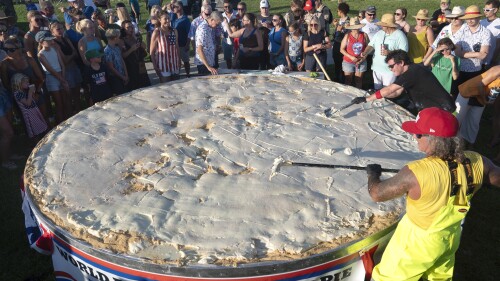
(240, 9)
(314, 24)
(370, 15)
(444, 3)
(175, 7)
(3, 30)
(276, 20)
(207, 14)
(397, 14)
(447, 49)
(10, 50)
(226, 7)
(421, 19)
(488, 10)
(391, 66)
(39, 20)
(419, 136)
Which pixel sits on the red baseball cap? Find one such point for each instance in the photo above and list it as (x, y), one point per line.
(433, 121)
(308, 6)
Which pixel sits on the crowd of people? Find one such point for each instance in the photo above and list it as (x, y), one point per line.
(455, 44)
(447, 63)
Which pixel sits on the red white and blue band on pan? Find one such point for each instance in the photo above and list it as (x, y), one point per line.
(73, 260)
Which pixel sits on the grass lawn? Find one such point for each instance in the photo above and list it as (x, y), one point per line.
(477, 258)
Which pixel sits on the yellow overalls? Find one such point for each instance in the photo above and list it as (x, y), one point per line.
(427, 249)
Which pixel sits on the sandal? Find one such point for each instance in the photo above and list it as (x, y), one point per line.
(9, 165)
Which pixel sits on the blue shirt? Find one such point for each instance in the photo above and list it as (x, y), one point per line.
(182, 25)
(114, 54)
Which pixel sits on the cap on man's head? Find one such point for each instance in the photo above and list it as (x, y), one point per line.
(264, 4)
(90, 54)
(433, 121)
(71, 0)
(308, 6)
(371, 9)
(43, 35)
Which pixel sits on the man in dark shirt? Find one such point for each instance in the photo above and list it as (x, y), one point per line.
(182, 25)
(415, 87)
(438, 19)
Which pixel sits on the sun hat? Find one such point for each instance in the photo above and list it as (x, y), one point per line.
(387, 20)
(456, 12)
(44, 35)
(354, 24)
(471, 12)
(422, 14)
(371, 9)
(433, 121)
(94, 53)
(308, 6)
(264, 4)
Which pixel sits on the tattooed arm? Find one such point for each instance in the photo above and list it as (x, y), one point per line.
(402, 183)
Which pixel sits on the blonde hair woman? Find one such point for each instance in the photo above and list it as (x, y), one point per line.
(420, 37)
(89, 41)
(316, 41)
(123, 15)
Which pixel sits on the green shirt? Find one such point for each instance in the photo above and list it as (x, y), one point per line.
(442, 69)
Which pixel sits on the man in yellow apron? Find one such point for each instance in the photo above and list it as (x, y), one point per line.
(438, 190)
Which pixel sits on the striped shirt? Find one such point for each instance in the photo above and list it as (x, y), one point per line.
(35, 124)
(167, 54)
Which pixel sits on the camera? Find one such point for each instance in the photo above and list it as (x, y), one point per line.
(476, 47)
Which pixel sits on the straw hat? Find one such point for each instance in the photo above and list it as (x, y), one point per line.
(354, 24)
(457, 11)
(471, 12)
(422, 14)
(387, 20)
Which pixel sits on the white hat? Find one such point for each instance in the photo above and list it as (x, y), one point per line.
(457, 11)
(264, 4)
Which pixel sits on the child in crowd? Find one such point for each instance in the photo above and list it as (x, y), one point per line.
(152, 23)
(96, 77)
(52, 63)
(165, 52)
(445, 66)
(235, 25)
(293, 48)
(118, 77)
(24, 94)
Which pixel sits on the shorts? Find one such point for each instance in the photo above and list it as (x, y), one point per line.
(277, 60)
(227, 50)
(295, 60)
(349, 67)
(382, 79)
(53, 85)
(73, 76)
(184, 53)
(311, 63)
